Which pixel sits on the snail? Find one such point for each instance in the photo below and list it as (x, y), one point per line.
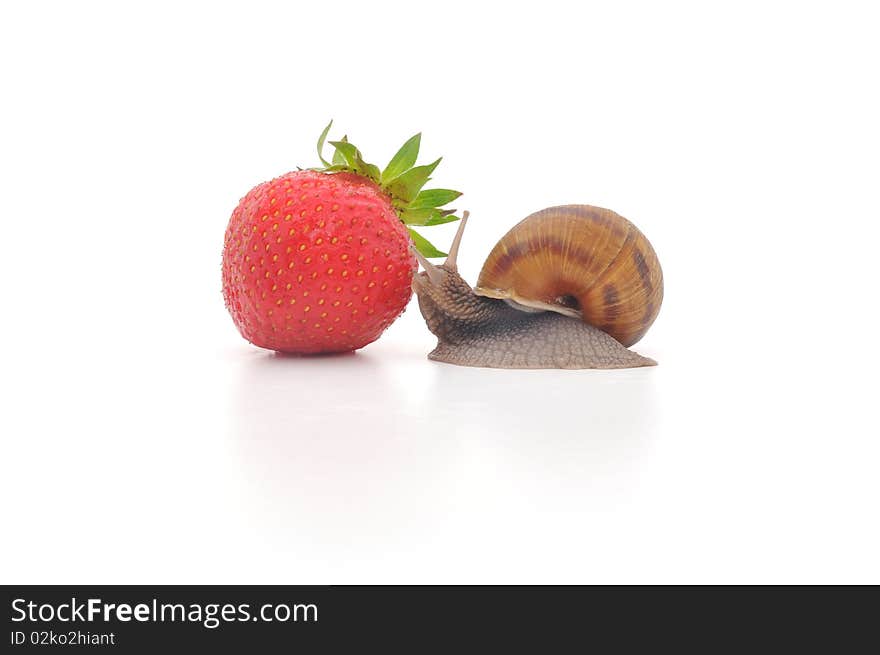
(567, 287)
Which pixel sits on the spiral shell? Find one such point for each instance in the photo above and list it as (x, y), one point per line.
(581, 261)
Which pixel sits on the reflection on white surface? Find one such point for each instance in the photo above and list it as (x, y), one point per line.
(343, 454)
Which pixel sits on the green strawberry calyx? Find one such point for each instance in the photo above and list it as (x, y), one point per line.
(402, 180)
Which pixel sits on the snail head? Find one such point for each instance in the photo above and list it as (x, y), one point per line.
(446, 301)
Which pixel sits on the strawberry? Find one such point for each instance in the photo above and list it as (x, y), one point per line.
(319, 260)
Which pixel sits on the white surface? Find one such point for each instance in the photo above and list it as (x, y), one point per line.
(144, 441)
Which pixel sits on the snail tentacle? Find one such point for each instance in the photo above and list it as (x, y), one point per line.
(452, 258)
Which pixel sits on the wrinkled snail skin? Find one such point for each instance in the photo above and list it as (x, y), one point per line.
(474, 330)
(582, 261)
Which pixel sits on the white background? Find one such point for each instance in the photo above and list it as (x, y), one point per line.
(144, 441)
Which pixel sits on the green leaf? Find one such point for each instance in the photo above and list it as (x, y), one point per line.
(371, 170)
(353, 159)
(321, 140)
(402, 180)
(337, 156)
(407, 186)
(404, 159)
(347, 152)
(423, 245)
(439, 220)
(424, 215)
(434, 198)
(417, 216)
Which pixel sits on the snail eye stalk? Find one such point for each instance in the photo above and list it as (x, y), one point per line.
(452, 259)
(434, 272)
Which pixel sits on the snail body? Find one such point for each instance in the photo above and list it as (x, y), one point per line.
(567, 287)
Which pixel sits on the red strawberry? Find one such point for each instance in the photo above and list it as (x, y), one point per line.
(319, 261)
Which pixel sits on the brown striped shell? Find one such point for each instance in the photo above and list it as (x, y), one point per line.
(581, 261)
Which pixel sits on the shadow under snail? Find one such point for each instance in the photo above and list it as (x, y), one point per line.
(567, 287)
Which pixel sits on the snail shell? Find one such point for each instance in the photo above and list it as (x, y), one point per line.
(580, 261)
